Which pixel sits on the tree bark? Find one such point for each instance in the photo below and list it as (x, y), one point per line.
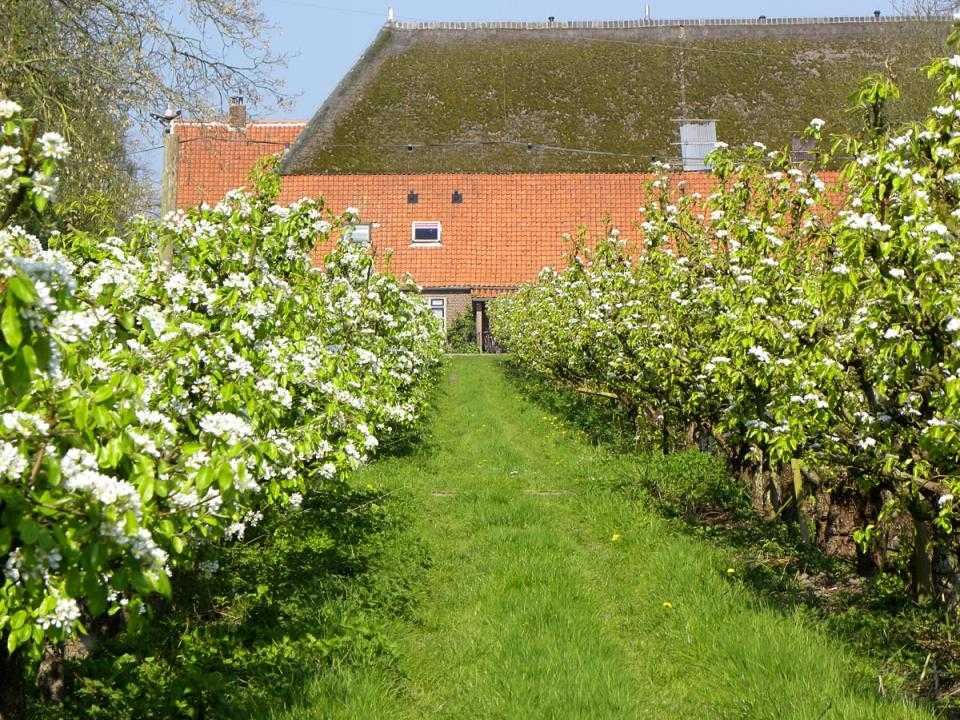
(921, 566)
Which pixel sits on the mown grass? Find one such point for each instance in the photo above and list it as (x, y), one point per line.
(544, 592)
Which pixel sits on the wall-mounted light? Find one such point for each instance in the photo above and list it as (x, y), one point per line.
(412, 198)
(456, 198)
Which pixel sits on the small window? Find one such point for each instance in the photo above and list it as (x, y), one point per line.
(438, 306)
(426, 233)
(359, 234)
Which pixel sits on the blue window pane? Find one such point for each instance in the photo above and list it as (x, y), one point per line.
(426, 233)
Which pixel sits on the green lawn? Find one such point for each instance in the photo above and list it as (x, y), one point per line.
(529, 608)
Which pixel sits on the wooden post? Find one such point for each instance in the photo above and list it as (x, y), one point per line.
(479, 325)
(168, 180)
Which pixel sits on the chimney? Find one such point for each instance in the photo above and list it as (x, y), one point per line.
(237, 114)
(391, 15)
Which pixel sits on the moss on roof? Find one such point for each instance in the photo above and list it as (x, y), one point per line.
(611, 91)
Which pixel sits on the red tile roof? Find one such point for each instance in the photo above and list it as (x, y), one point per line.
(505, 230)
(215, 158)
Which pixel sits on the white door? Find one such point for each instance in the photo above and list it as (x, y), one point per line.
(438, 306)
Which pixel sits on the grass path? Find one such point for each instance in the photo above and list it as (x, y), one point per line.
(529, 609)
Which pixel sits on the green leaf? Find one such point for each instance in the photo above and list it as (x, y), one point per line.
(21, 289)
(163, 585)
(10, 325)
(29, 531)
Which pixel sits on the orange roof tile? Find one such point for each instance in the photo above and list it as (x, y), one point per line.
(215, 158)
(505, 230)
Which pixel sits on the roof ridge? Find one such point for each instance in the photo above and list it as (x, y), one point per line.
(256, 123)
(651, 23)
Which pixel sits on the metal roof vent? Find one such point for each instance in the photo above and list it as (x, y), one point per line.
(697, 138)
(412, 198)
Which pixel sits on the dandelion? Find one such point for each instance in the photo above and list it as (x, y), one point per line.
(817, 123)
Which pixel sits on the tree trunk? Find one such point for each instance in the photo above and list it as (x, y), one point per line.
(12, 687)
(921, 567)
(50, 675)
(664, 436)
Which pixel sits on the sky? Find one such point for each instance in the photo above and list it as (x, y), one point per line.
(325, 37)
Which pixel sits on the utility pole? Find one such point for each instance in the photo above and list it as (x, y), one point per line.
(171, 157)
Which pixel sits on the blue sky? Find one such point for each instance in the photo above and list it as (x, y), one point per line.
(325, 37)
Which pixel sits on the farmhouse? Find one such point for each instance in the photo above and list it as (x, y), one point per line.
(472, 148)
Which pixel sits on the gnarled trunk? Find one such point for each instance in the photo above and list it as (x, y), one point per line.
(921, 566)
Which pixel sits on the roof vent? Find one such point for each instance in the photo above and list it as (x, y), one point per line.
(412, 198)
(697, 138)
(456, 198)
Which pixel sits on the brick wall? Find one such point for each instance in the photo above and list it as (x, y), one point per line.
(457, 302)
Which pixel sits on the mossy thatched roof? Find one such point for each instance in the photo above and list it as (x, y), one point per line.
(471, 98)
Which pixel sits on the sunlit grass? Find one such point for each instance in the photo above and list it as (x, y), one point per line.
(547, 595)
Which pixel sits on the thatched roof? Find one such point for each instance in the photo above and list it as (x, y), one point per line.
(475, 97)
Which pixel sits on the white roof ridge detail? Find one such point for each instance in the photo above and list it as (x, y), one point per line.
(654, 23)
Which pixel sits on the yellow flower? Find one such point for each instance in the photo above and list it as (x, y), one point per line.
(730, 571)
(615, 537)
(668, 605)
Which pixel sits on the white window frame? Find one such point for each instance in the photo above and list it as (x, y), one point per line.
(441, 304)
(425, 224)
(349, 234)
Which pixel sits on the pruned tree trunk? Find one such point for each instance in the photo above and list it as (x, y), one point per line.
(921, 566)
(51, 680)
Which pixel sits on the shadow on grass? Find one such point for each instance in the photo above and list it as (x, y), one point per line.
(295, 596)
(914, 645)
(242, 638)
